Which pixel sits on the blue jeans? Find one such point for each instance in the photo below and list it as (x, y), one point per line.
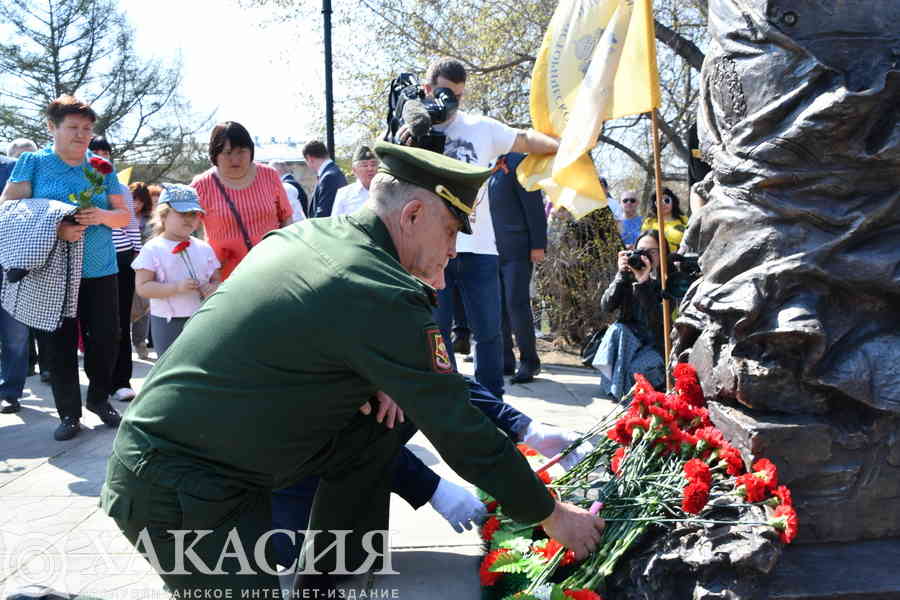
(14, 362)
(478, 280)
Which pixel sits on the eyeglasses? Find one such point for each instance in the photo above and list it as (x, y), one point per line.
(629, 200)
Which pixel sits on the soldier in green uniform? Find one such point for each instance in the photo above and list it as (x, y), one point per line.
(266, 382)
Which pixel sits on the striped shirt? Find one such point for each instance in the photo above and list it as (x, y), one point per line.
(263, 207)
(128, 237)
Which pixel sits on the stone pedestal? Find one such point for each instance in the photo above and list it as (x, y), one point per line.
(843, 467)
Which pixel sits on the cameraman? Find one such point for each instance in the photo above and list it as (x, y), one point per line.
(478, 140)
(634, 343)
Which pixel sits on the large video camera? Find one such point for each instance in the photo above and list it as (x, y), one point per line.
(408, 105)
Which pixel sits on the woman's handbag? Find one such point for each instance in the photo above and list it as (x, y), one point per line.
(589, 349)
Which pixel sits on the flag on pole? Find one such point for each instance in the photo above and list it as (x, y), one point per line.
(125, 175)
(597, 62)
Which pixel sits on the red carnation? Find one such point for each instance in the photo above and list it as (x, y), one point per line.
(733, 460)
(784, 495)
(490, 528)
(549, 549)
(687, 385)
(616, 462)
(642, 384)
(101, 165)
(545, 477)
(527, 450)
(583, 595)
(784, 520)
(487, 577)
(696, 495)
(754, 490)
(767, 472)
(181, 247)
(712, 436)
(492, 506)
(697, 470)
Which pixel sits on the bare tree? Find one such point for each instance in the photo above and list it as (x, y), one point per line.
(83, 48)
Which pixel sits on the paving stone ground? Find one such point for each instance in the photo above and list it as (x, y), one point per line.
(52, 532)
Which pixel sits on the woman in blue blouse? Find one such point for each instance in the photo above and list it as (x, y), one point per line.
(54, 173)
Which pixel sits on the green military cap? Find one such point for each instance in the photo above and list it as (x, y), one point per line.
(456, 182)
(363, 153)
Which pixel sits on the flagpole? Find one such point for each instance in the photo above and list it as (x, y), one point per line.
(663, 247)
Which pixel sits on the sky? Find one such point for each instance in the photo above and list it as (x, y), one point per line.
(235, 62)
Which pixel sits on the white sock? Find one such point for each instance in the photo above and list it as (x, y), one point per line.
(458, 505)
(550, 441)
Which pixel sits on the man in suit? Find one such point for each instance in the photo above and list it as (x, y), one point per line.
(330, 178)
(520, 227)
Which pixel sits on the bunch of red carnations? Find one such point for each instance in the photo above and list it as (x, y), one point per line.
(661, 462)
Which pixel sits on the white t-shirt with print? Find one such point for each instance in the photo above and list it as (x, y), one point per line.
(156, 256)
(478, 140)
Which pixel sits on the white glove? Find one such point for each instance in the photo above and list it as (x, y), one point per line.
(550, 441)
(458, 505)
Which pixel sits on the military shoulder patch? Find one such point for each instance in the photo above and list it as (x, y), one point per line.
(440, 358)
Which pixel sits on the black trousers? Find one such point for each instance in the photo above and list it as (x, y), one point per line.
(121, 377)
(515, 281)
(98, 315)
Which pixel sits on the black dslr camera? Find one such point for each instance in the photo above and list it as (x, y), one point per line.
(408, 105)
(634, 259)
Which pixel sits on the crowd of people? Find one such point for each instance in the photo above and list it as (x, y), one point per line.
(133, 265)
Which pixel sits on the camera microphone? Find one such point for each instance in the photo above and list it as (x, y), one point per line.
(416, 117)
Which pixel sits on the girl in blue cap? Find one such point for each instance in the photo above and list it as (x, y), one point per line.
(176, 271)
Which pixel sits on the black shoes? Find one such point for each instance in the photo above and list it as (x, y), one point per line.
(12, 406)
(68, 428)
(107, 414)
(525, 374)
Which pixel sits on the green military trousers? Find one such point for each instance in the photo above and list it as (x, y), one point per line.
(203, 532)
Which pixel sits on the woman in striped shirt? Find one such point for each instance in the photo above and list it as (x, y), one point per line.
(243, 200)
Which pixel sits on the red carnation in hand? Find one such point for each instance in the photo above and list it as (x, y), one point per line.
(490, 528)
(733, 460)
(583, 594)
(696, 495)
(697, 470)
(616, 462)
(484, 574)
(527, 450)
(181, 247)
(101, 165)
(784, 495)
(767, 472)
(784, 520)
(754, 490)
(549, 549)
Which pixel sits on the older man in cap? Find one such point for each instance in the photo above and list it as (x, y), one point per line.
(351, 197)
(266, 383)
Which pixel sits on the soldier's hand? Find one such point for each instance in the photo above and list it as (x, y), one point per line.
(388, 411)
(575, 528)
(404, 135)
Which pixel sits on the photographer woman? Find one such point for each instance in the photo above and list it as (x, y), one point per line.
(634, 343)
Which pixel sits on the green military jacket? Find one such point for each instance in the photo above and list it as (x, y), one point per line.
(313, 322)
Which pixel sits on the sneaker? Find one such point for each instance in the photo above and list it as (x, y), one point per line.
(142, 351)
(67, 429)
(107, 414)
(125, 394)
(12, 406)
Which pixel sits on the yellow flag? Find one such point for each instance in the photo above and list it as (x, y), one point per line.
(125, 176)
(597, 62)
